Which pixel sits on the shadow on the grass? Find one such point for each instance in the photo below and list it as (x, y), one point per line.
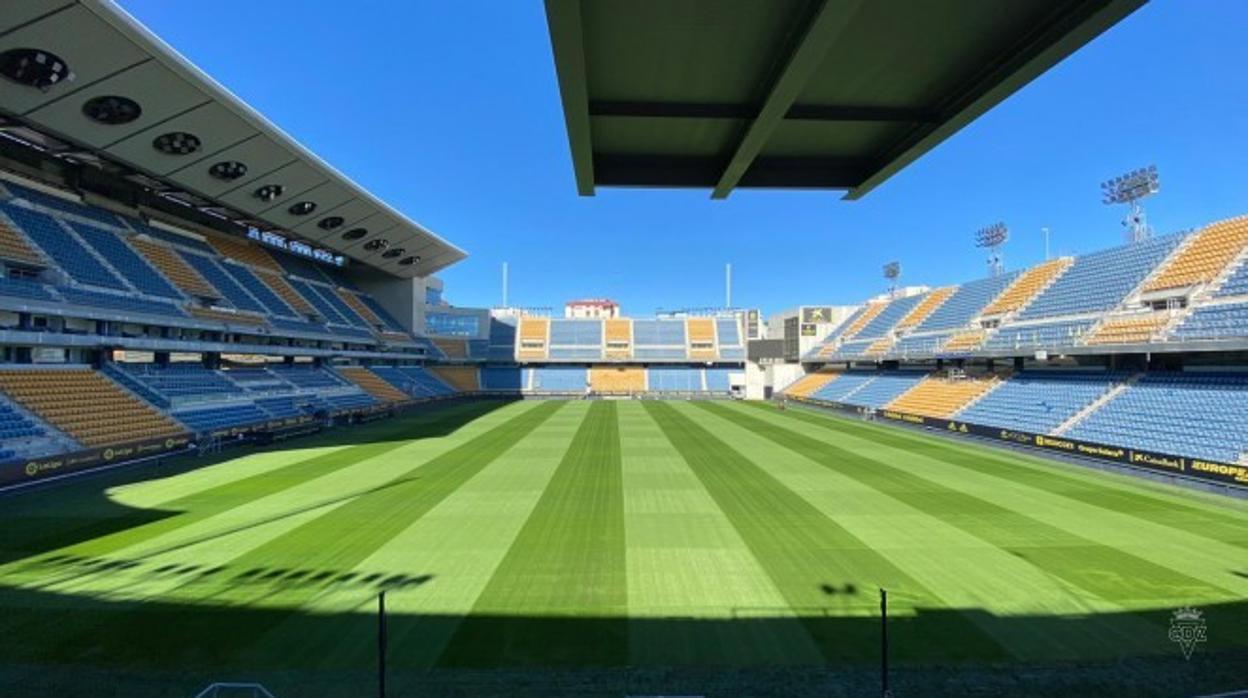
(49, 518)
(174, 648)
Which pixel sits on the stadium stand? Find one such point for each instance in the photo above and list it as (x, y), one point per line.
(1042, 335)
(557, 379)
(232, 292)
(929, 304)
(942, 397)
(451, 348)
(675, 379)
(1206, 255)
(1194, 413)
(845, 385)
(65, 203)
(372, 383)
(206, 419)
(1227, 320)
(461, 378)
(701, 334)
(23, 436)
(278, 285)
(179, 381)
(883, 388)
(226, 316)
(861, 319)
(1026, 286)
(919, 345)
(502, 378)
(1130, 329)
(1101, 280)
(612, 380)
(175, 269)
(257, 289)
(14, 248)
(810, 383)
(56, 242)
(114, 301)
(85, 405)
(534, 333)
(967, 302)
(22, 288)
(1040, 401)
(323, 308)
(245, 253)
(358, 307)
(963, 342)
(718, 379)
(1236, 283)
(138, 273)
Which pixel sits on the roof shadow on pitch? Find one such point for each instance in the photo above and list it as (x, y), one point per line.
(61, 514)
(153, 647)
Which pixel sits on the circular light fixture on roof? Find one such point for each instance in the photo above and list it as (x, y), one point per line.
(111, 110)
(34, 67)
(269, 192)
(330, 222)
(301, 208)
(176, 143)
(355, 234)
(391, 254)
(227, 170)
(376, 244)
(409, 261)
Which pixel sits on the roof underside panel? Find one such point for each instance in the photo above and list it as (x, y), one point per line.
(110, 56)
(835, 94)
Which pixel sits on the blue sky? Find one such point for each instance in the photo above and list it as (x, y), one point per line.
(450, 112)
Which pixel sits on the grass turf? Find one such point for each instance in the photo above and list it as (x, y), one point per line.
(706, 538)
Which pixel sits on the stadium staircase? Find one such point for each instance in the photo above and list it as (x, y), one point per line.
(1096, 404)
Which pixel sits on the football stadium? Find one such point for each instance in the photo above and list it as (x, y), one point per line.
(249, 447)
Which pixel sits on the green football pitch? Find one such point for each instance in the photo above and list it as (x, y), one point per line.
(720, 539)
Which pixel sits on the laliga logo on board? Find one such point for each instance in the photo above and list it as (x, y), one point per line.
(1187, 627)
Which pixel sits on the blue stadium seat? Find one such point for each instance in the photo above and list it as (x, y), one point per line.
(22, 288)
(322, 306)
(717, 380)
(1236, 284)
(844, 386)
(1226, 321)
(664, 379)
(221, 417)
(211, 270)
(138, 272)
(500, 378)
(133, 304)
(658, 333)
(576, 332)
(1101, 280)
(557, 379)
(1039, 336)
(181, 380)
(1039, 401)
(1197, 414)
(174, 238)
(67, 252)
(966, 303)
(258, 289)
(58, 204)
(887, 386)
(882, 323)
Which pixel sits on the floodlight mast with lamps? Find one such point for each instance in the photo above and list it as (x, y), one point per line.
(892, 272)
(992, 239)
(1130, 189)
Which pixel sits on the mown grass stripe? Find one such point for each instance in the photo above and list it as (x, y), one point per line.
(828, 576)
(687, 562)
(1112, 495)
(560, 596)
(330, 545)
(1112, 574)
(124, 528)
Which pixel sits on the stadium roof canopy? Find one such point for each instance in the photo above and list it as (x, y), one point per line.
(84, 80)
(811, 94)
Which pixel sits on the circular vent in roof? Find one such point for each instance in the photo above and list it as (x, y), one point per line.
(354, 234)
(409, 261)
(34, 67)
(377, 244)
(176, 143)
(396, 252)
(227, 170)
(269, 192)
(112, 110)
(301, 208)
(330, 222)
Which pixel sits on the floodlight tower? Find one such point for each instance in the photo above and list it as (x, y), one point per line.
(892, 272)
(1130, 189)
(992, 239)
